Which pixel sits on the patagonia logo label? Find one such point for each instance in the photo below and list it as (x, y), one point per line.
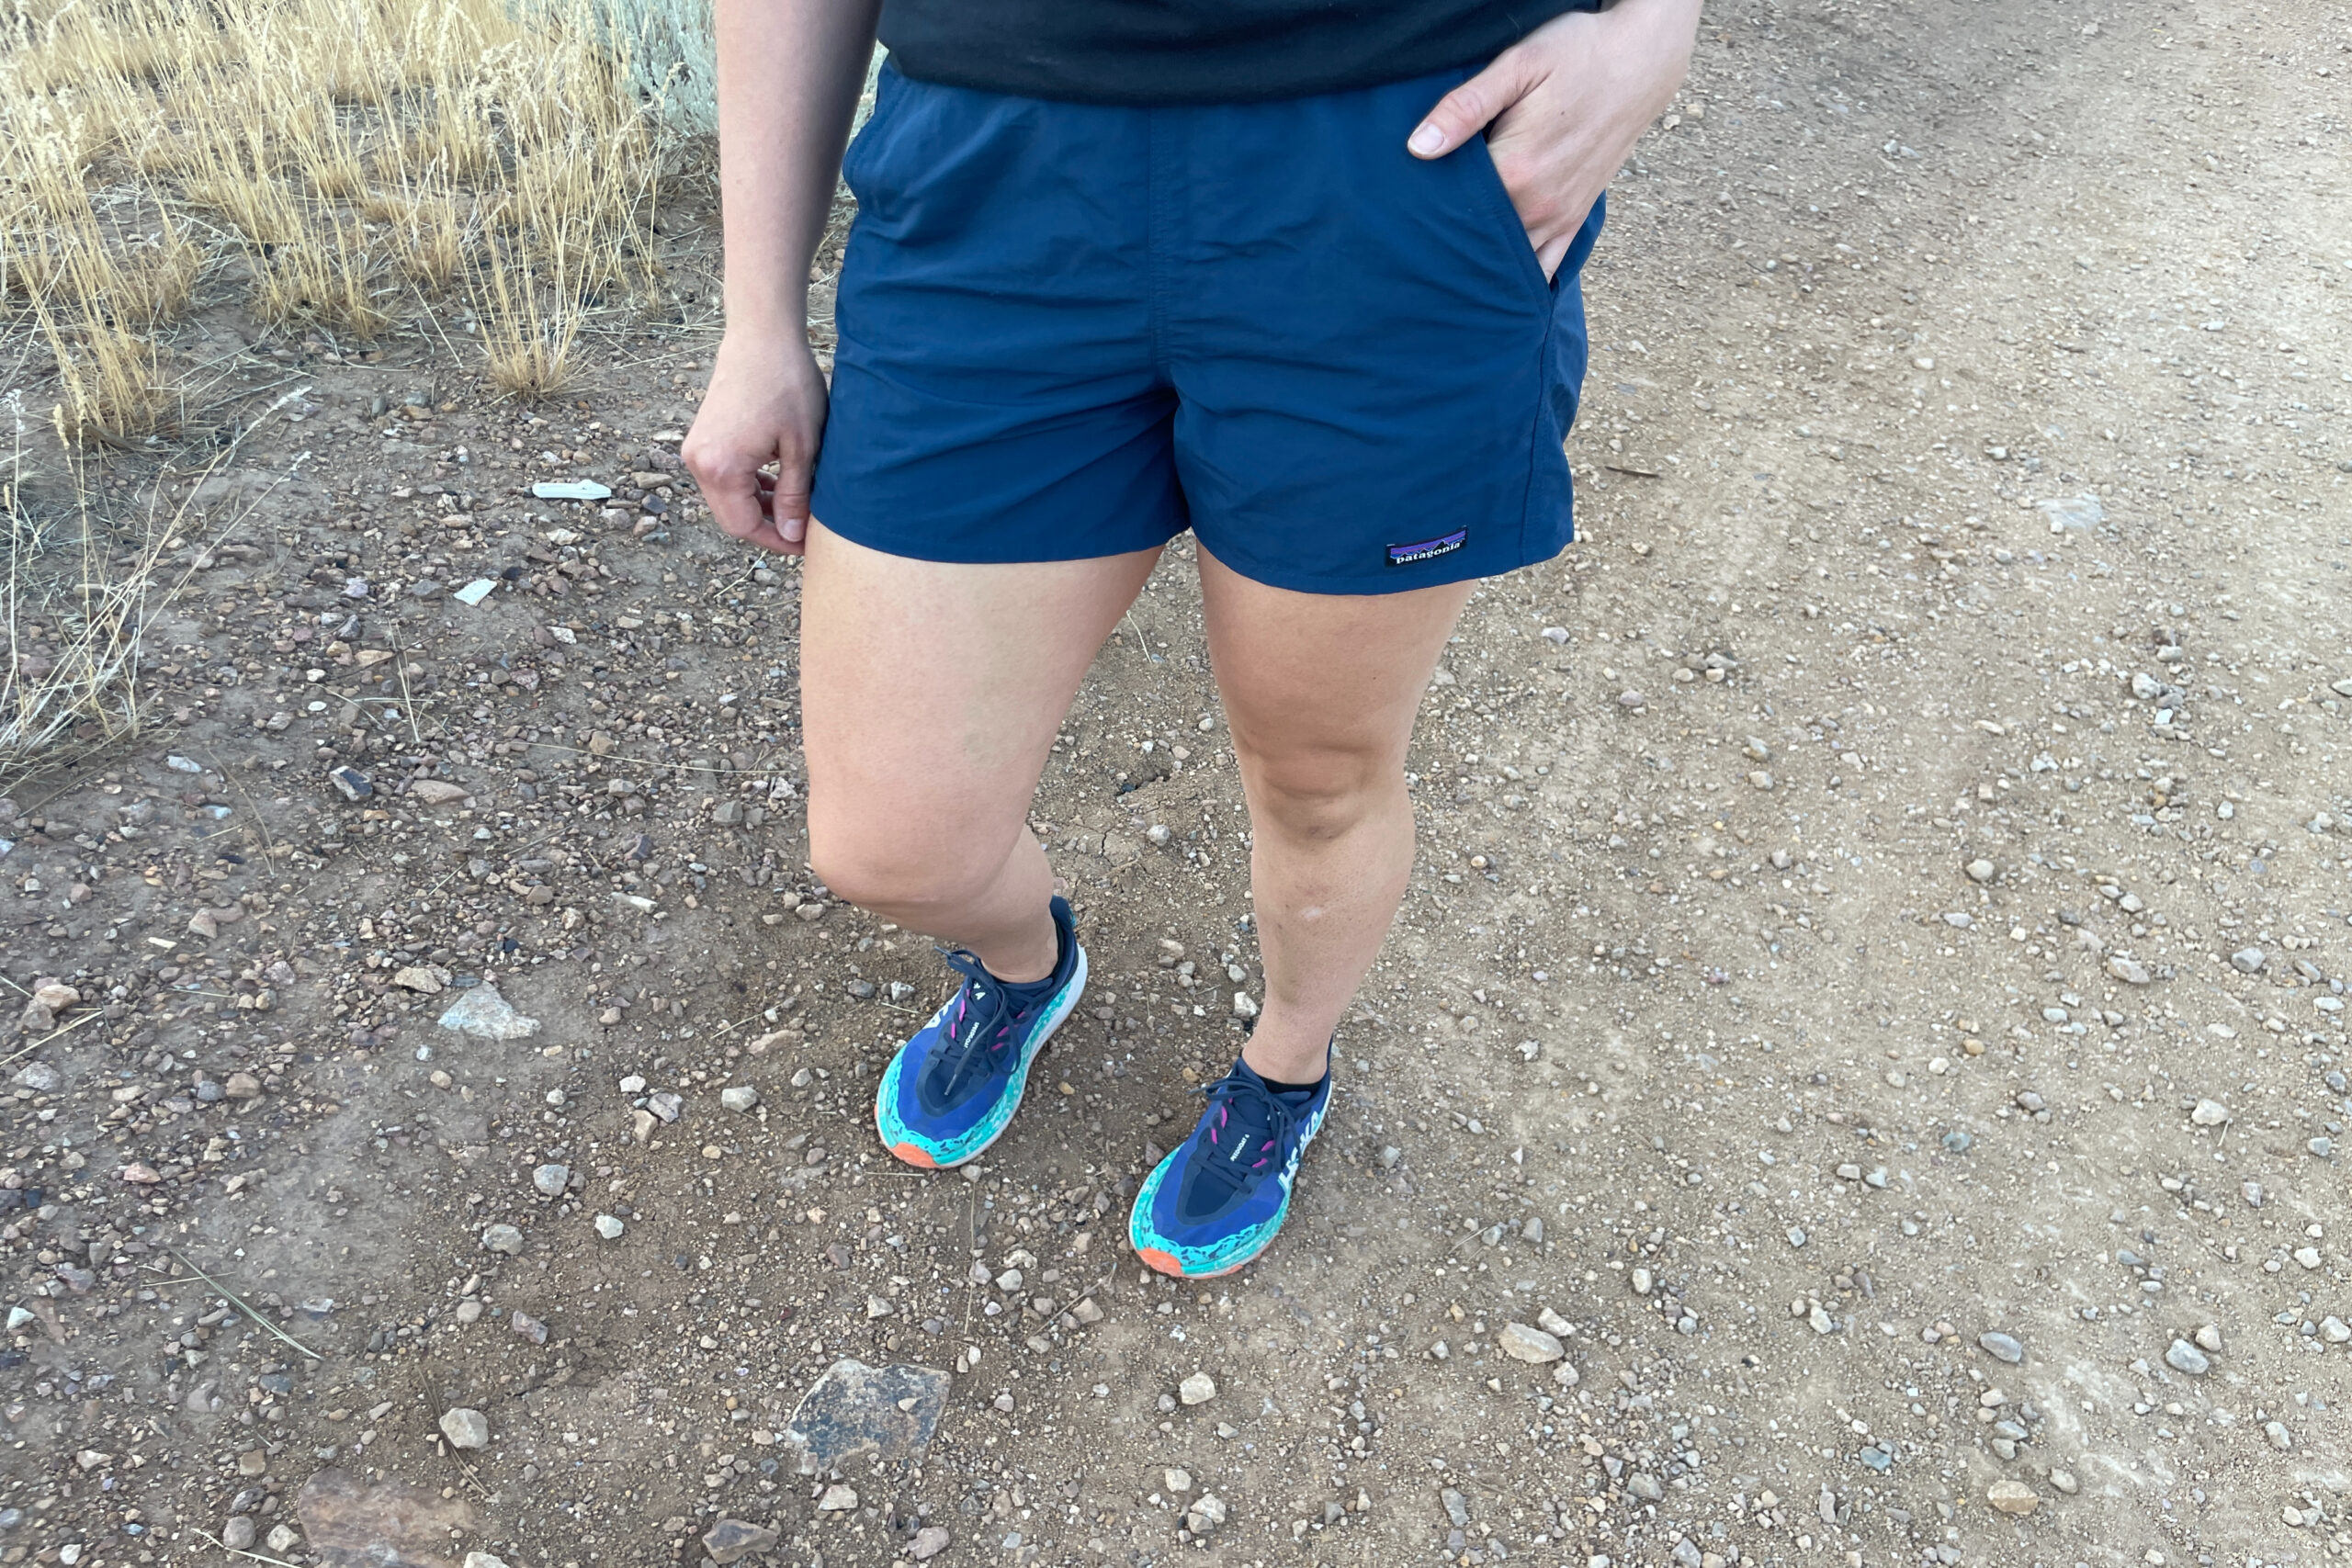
(1428, 549)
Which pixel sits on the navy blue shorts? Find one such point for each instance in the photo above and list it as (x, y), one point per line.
(1076, 329)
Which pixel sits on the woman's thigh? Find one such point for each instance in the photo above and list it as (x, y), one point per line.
(931, 692)
(1321, 689)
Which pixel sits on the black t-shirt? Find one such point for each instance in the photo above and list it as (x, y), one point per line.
(1195, 51)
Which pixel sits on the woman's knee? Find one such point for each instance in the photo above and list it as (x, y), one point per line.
(1322, 793)
(899, 873)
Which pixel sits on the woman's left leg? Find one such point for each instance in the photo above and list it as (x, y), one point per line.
(1321, 690)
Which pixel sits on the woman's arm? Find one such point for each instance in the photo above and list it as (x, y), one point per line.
(1565, 104)
(789, 73)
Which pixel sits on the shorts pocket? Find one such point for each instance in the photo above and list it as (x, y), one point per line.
(1509, 226)
(857, 171)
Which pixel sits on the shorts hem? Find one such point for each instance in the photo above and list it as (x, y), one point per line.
(951, 552)
(1361, 585)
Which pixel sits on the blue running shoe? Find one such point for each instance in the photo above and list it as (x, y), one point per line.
(1216, 1202)
(952, 1088)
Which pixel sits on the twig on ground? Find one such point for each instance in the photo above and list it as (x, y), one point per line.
(238, 1301)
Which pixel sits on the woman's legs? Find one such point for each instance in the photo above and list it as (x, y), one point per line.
(929, 695)
(1321, 691)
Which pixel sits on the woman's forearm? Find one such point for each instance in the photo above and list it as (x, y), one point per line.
(790, 74)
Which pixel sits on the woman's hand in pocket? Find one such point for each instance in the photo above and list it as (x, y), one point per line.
(1562, 108)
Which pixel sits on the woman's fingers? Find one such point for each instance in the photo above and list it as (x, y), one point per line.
(1468, 109)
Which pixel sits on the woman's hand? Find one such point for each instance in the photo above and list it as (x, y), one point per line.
(1563, 107)
(765, 405)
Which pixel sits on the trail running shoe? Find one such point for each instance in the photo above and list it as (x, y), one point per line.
(1216, 1202)
(952, 1090)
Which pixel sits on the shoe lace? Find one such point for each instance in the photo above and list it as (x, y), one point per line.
(1250, 1125)
(979, 1028)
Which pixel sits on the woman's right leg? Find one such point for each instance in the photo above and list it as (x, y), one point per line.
(929, 695)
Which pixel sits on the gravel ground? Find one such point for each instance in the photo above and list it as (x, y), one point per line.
(1859, 1077)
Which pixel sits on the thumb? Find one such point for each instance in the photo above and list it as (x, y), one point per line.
(1469, 108)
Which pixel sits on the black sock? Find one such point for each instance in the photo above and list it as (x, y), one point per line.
(1280, 1088)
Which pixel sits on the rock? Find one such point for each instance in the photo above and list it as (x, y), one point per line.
(2001, 1347)
(2248, 960)
(1086, 1312)
(1198, 1388)
(2209, 1113)
(237, 1535)
(1521, 1343)
(1551, 1321)
(503, 1238)
(1205, 1515)
(888, 1412)
(438, 791)
(466, 1428)
(282, 1538)
(928, 1543)
(1457, 1508)
(837, 1499)
(2064, 1480)
(741, 1097)
(1982, 871)
(417, 978)
(572, 490)
(2183, 1357)
(351, 784)
(732, 1541)
(1641, 1281)
(1244, 1005)
(2209, 1338)
(389, 1525)
(42, 1077)
(483, 1560)
(2012, 1496)
(481, 1011)
(551, 1179)
(241, 1086)
(609, 1227)
(2334, 1330)
(2130, 971)
(666, 1105)
(526, 1326)
(1646, 1487)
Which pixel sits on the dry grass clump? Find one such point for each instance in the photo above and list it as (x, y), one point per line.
(340, 163)
(79, 588)
(71, 612)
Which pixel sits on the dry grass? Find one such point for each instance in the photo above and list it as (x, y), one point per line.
(78, 589)
(339, 163)
(71, 611)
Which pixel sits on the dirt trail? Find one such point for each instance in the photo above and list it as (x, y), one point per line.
(1886, 887)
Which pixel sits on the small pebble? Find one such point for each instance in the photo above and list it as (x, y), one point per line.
(551, 1179)
(741, 1097)
(2183, 1357)
(609, 1227)
(1198, 1388)
(2001, 1347)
